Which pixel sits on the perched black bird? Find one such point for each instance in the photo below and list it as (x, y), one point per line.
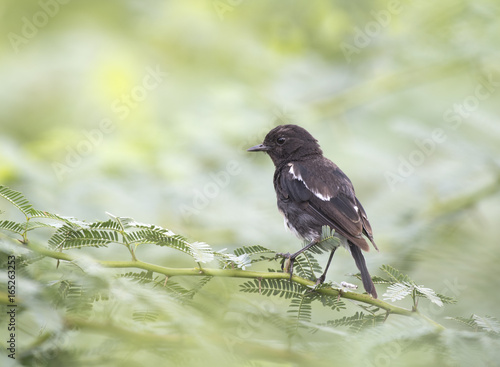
(312, 192)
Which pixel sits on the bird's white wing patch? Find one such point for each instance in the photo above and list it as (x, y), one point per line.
(297, 176)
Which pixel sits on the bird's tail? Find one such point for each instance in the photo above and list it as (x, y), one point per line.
(361, 264)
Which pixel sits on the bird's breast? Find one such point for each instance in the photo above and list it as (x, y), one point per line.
(300, 223)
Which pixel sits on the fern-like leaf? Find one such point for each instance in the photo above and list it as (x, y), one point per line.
(124, 222)
(127, 223)
(397, 291)
(200, 284)
(89, 238)
(71, 221)
(371, 309)
(109, 225)
(135, 233)
(300, 311)
(395, 275)
(347, 320)
(176, 290)
(34, 225)
(327, 242)
(335, 303)
(22, 228)
(201, 252)
(15, 227)
(77, 298)
(144, 236)
(487, 323)
(429, 294)
(144, 277)
(252, 250)
(469, 322)
(17, 199)
(446, 299)
(376, 279)
(65, 232)
(232, 261)
(306, 266)
(273, 287)
(159, 237)
(177, 242)
(379, 280)
(478, 323)
(357, 322)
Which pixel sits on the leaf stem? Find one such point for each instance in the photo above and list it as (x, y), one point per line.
(126, 239)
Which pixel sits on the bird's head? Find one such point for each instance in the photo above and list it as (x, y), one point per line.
(287, 143)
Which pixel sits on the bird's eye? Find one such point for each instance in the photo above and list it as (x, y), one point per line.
(280, 141)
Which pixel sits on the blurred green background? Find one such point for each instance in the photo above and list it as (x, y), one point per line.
(145, 109)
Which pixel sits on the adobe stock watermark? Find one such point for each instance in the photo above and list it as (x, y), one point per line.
(364, 36)
(221, 7)
(31, 25)
(201, 198)
(122, 107)
(453, 118)
(211, 189)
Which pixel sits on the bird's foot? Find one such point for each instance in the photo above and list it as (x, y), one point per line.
(286, 263)
(320, 280)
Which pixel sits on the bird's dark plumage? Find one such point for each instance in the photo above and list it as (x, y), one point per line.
(312, 192)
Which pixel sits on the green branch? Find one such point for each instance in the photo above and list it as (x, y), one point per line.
(233, 273)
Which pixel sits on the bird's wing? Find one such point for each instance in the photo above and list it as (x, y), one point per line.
(367, 228)
(330, 197)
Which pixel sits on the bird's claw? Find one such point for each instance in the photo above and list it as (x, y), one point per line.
(320, 280)
(285, 256)
(286, 263)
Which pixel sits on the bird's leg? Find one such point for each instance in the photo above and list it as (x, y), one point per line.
(321, 279)
(291, 258)
(287, 258)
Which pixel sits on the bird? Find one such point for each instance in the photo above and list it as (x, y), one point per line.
(313, 192)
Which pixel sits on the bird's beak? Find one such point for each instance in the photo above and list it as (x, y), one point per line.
(259, 148)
